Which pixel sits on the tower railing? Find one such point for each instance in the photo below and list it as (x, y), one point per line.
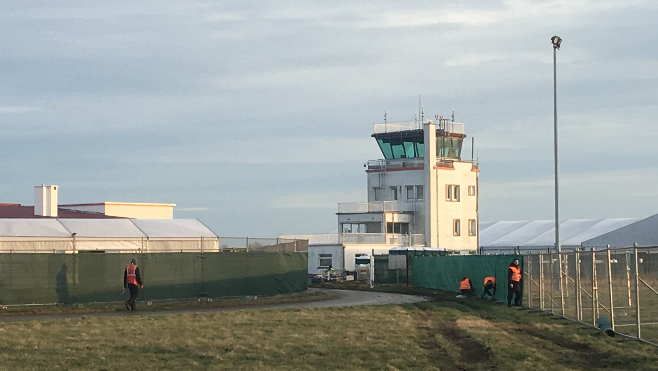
(392, 127)
(374, 207)
(396, 164)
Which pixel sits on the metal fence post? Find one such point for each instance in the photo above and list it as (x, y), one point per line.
(528, 270)
(628, 278)
(637, 296)
(561, 266)
(595, 290)
(612, 302)
(550, 262)
(579, 303)
(541, 282)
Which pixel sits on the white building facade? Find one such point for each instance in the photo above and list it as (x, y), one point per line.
(420, 194)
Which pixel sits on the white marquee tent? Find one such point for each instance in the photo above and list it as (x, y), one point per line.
(539, 235)
(643, 233)
(108, 235)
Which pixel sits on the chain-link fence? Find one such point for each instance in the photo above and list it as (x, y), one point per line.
(385, 274)
(250, 244)
(620, 284)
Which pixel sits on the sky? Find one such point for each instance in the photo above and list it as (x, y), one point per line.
(256, 116)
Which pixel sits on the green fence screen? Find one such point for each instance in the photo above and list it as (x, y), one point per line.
(385, 275)
(445, 272)
(90, 277)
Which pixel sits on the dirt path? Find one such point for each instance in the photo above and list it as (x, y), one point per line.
(341, 298)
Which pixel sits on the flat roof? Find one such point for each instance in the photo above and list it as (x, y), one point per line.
(122, 203)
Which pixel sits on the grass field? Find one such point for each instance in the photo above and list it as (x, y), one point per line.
(444, 334)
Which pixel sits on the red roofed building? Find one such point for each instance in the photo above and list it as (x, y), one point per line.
(46, 206)
(23, 212)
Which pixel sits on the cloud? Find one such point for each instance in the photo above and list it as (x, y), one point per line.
(19, 109)
(315, 200)
(192, 208)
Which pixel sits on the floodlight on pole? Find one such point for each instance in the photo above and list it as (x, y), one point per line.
(556, 42)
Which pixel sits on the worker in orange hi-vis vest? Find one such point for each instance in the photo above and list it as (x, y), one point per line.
(465, 286)
(514, 279)
(489, 287)
(132, 280)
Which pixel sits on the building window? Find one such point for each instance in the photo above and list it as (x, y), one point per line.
(456, 227)
(377, 193)
(419, 192)
(397, 228)
(472, 227)
(354, 228)
(471, 190)
(325, 261)
(452, 192)
(410, 192)
(394, 193)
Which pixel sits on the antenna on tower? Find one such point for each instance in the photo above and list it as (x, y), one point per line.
(419, 109)
(385, 115)
(453, 116)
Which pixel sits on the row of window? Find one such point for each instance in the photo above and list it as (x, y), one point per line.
(413, 146)
(416, 192)
(453, 192)
(456, 227)
(398, 228)
(413, 192)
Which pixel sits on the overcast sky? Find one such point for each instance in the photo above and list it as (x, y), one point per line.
(255, 116)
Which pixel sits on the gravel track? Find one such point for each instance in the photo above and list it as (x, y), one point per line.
(341, 298)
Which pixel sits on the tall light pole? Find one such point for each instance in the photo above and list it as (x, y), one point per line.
(558, 245)
(556, 45)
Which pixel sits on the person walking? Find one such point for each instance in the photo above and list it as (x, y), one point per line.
(489, 286)
(514, 279)
(132, 280)
(465, 286)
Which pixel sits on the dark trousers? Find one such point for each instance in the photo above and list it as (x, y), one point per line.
(134, 290)
(514, 291)
(488, 291)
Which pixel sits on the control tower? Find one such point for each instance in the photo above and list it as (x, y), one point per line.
(421, 193)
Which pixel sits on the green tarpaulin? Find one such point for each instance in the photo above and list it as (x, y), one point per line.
(89, 277)
(445, 272)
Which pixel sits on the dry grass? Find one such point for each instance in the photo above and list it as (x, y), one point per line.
(447, 334)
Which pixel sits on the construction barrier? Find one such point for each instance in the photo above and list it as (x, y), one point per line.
(445, 272)
(91, 277)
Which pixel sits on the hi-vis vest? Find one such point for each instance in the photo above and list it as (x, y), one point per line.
(131, 277)
(492, 279)
(464, 284)
(516, 273)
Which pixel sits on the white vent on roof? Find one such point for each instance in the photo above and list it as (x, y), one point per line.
(45, 200)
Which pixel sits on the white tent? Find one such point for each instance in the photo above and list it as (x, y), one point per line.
(109, 235)
(539, 235)
(641, 233)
